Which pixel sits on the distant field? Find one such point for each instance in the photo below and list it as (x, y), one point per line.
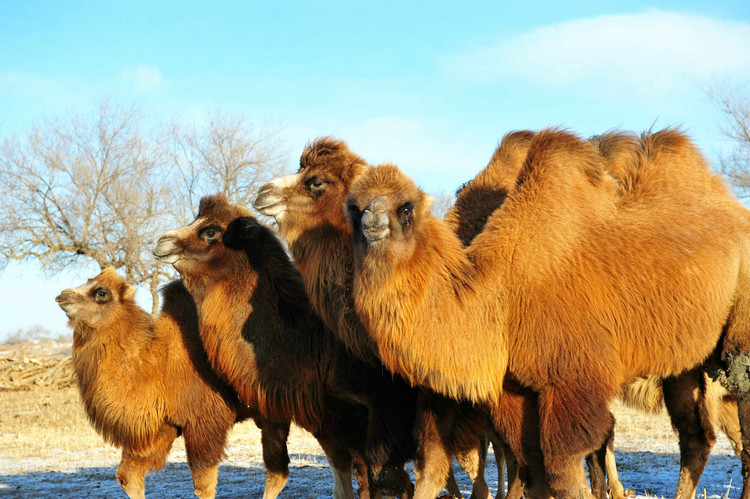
(48, 449)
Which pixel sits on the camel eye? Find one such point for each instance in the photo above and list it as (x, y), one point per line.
(405, 213)
(316, 185)
(210, 234)
(101, 295)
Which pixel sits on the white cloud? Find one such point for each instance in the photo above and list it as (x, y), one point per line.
(143, 79)
(653, 51)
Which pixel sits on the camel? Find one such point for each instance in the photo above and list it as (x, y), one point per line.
(696, 404)
(571, 288)
(145, 381)
(308, 208)
(262, 337)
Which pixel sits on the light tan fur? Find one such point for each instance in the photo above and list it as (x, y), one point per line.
(145, 381)
(571, 288)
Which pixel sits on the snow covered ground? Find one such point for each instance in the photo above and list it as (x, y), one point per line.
(48, 450)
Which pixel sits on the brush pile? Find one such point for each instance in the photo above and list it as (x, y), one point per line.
(30, 364)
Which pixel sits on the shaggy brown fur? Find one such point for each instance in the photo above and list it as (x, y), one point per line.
(562, 287)
(308, 207)
(144, 382)
(481, 196)
(263, 338)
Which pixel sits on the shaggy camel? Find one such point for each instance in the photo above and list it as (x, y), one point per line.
(571, 288)
(696, 404)
(144, 382)
(308, 207)
(263, 338)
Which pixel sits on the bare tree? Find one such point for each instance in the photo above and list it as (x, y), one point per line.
(441, 203)
(225, 155)
(104, 187)
(735, 104)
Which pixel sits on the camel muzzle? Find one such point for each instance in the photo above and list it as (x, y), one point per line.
(166, 250)
(267, 198)
(375, 222)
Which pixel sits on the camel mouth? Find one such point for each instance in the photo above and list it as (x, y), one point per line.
(269, 202)
(375, 234)
(65, 302)
(166, 251)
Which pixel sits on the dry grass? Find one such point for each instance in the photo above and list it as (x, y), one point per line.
(48, 449)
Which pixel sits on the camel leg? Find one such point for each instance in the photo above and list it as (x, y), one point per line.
(597, 464)
(133, 467)
(432, 465)
(685, 399)
(204, 454)
(474, 463)
(452, 485)
(130, 475)
(515, 418)
(205, 480)
(390, 441)
(574, 420)
(273, 439)
(340, 461)
(499, 452)
(504, 454)
(614, 486)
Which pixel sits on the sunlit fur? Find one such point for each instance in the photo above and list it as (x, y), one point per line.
(143, 382)
(311, 217)
(475, 202)
(262, 336)
(575, 286)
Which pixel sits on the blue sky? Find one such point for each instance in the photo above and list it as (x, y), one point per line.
(431, 86)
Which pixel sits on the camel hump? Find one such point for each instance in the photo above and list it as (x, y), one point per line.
(619, 151)
(563, 180)
(670, 164)
(479, 197)
(507, 160)
(557, 157)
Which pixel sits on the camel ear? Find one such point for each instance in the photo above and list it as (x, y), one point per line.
(428, 202)
(128, 293)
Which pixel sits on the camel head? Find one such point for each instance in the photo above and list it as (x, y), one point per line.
(385, 208)
(95, 302)
(315, 195)
(197, 248)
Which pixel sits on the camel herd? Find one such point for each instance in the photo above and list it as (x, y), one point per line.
(568, 273)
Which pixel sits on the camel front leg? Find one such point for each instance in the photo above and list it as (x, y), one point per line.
(685, 399)
(134, 465)
(340, 461)
(275, 457)
(130, 475)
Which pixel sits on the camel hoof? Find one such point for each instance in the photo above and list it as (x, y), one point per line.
(390, 481)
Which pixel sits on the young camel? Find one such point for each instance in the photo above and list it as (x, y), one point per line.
(308, 207)
(569, 289)
(145, 381)
(263, 338)
(696, 404)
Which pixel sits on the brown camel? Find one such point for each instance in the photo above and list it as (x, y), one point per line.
(571, 289)
(145, 381)
(696, 404)
(264, 339)
(308, 207)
